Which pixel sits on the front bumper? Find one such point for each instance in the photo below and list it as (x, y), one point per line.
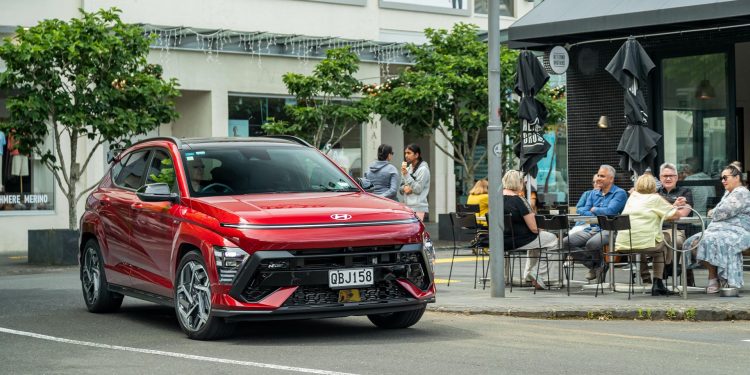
(294, 284)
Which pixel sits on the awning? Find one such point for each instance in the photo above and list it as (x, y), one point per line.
(565, 21)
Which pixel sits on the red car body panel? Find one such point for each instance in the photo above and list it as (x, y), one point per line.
(142, 242)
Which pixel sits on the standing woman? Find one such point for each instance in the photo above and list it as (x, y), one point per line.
(525, 234)
(727, 235)
(382, 174)
(415, 180)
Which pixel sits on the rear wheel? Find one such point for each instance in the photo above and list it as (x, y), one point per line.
(402, 319)
(96, 292)
(193, 301)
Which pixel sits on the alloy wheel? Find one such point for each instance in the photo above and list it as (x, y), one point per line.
(91, 275)
(193, 296)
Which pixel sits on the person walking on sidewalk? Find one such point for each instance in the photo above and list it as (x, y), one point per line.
(608, 200)
(415, 180)
(525, 234)
(382, 174)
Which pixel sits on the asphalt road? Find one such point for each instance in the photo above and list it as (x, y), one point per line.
(45, 329)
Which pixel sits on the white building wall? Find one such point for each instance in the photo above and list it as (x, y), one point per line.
(206, 80)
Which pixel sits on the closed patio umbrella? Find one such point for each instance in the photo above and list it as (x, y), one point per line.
(631, 67)
(532, 147)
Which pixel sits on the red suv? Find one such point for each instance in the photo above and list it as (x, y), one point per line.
(260, 228)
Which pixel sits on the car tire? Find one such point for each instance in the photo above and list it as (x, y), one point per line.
(397, 320)
(94, 284)
(192, 300)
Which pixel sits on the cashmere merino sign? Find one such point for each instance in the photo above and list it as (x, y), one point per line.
(24, 198)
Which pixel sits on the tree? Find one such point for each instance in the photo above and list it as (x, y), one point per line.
(444, 91)
(325, 110)
(84, 79)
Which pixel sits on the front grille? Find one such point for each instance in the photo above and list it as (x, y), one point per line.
(317, 295)
(308, 270)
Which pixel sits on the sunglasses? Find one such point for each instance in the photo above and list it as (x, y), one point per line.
(726, 177)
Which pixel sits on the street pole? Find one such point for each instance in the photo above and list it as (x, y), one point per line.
(495, 143)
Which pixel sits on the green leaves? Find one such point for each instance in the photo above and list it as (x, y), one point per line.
(325, 110)
(86, 78)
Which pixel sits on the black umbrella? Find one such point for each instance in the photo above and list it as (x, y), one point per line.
(630, 67)
(530, 79)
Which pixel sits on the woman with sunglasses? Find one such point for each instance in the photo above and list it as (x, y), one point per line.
(727, 235)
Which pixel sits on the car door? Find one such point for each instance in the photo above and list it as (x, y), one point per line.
(115, 213)
(154, 227)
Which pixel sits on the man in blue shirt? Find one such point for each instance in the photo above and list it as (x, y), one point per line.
(606, 199)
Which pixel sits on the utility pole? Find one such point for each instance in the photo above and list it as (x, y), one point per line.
(495, 143)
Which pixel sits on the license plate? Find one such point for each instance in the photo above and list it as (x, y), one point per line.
(349, 277)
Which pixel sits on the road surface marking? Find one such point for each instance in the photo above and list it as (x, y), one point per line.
(172, 354)
(18, 257)
(445, 281)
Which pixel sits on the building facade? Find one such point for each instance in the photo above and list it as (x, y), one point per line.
(229, 57)
(696, 95)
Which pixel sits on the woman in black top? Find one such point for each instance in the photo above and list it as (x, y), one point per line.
(525, 233)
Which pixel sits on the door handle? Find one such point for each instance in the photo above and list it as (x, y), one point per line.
(136, 206)
(105, 202)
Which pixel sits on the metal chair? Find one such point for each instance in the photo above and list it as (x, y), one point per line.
(614, 224)
(467, 208)
(558, 224)
(467, 223)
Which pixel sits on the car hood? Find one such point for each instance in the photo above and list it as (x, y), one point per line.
(302, 208)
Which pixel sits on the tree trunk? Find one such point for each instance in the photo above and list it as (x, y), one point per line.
(72, 209)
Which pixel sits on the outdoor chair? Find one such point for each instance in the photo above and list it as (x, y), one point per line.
(557, 224)
(466, 224)
(614, 224)
(514, 253)
(467, 208)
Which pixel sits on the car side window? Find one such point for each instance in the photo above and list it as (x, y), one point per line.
(131, 175)
(161, 169)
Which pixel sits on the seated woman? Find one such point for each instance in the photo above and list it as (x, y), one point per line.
(646, 209)
(727, 235)
(479, 195)
(525, 234)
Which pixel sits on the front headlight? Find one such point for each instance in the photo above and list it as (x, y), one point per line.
(429, 250)
(228, 262)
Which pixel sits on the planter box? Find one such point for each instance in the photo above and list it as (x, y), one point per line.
(53, 246)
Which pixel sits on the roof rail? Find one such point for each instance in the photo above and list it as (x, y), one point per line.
(290, 138)
(169, 139)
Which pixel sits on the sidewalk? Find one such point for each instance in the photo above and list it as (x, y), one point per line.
(554, 303)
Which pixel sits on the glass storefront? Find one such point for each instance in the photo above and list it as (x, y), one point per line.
(25, 183)
(696, 120)
(247, 114)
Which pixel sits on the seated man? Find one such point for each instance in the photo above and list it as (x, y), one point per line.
(671, 192)
(196, 170)
(607, 199)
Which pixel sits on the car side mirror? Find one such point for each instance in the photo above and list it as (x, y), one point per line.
(157, 192)
(364, 183)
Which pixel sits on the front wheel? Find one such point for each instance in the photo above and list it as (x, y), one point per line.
(403, 319)
(96, 292)
(193, 301)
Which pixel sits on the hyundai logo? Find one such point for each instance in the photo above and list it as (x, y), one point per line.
(341, 216)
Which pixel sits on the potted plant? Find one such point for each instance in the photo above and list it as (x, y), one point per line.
(78, 85)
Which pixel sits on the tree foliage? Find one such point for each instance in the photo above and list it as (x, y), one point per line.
(326, 109)
(86, 78)
(444, 91)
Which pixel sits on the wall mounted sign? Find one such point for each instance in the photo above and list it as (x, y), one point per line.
(559, 59)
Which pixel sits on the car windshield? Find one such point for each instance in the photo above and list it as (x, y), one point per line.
(258, 169)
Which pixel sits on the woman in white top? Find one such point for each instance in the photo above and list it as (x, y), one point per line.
(415, 180)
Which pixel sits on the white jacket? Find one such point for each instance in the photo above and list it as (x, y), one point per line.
(419, 182)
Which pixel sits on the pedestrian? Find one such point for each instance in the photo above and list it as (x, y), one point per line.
(415, 180)
(382, 174)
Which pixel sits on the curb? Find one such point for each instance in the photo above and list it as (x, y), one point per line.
(657, 313)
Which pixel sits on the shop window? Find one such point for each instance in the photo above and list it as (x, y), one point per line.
(695, 122)
(483, 7)
(25, 183)
(130, 175)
